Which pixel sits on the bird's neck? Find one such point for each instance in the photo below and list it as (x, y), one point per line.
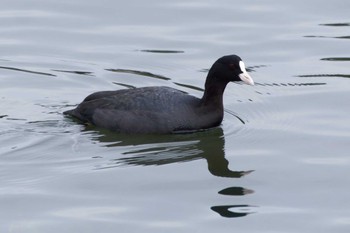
(213, 94)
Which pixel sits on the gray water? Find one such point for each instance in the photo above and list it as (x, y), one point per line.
(278, 163)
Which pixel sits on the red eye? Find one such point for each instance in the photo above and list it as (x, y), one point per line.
(232, 66)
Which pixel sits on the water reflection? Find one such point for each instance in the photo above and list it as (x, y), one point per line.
(233, 211)
(236, 191)
(149, 150)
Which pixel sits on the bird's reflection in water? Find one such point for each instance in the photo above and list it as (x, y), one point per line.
(146, 150)
(233, 211)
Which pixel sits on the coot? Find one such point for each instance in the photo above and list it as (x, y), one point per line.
(161, 109)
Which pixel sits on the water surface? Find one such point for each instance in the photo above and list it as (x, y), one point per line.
(279, 161)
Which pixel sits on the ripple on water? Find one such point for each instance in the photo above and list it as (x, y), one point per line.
(264, 109)
(336, 24)
(335, 59)
(141, 73)
(160, 51)
(26, 71)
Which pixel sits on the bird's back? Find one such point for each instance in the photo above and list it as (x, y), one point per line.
(140, 110)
